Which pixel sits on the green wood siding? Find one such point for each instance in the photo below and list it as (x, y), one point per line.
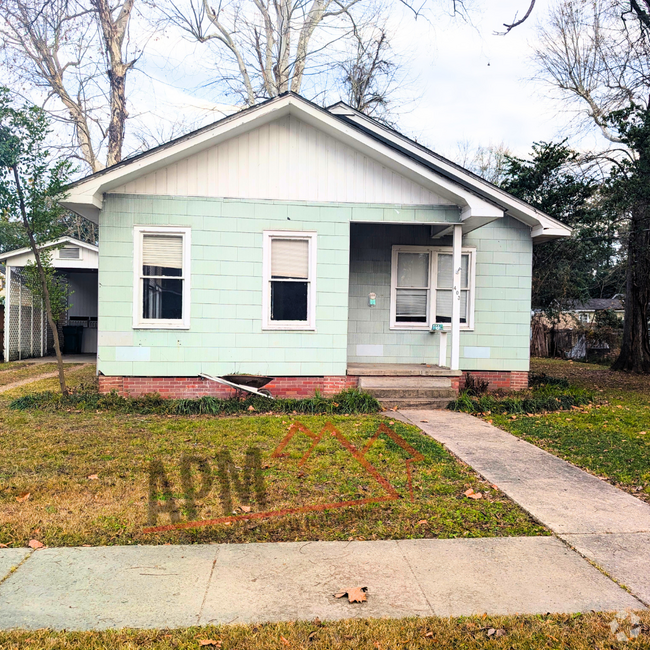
(226, 333)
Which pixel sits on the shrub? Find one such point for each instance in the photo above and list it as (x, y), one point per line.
(538, 379)
(348, 401)
(541, 400)
(475, 386)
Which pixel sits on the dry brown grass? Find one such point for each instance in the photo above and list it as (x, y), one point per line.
(577, 632)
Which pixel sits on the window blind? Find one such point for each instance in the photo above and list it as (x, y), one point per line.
(164, 251)
(411, 302)
(290, 258)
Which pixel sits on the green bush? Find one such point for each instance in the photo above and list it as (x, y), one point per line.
(347, 401)
(540, 400)
(538, 379)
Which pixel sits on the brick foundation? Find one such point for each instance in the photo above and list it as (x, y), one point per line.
(191, 387)
(499, 379)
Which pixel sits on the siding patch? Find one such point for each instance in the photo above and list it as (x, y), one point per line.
(370, 350)
(132, 354)
(476, 353)
(112, 339)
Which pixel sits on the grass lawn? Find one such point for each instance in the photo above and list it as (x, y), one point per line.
(610, 439)
(578, 632)
(87, 476)
(19, 370)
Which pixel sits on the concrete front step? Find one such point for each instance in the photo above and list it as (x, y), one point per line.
(400, 393)
(369, 383)
(417, 403)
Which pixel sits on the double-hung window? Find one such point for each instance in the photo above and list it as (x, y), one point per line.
(289, 294)
(161, 272)
(422, 287)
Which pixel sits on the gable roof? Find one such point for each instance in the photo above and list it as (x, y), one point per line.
(480, 202)
(50, 244)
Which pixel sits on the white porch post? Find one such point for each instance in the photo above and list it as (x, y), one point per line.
(7, 313)
(455, 301)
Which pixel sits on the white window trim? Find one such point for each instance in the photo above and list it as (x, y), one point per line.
(433, 270)
(160, 324)
(267, 323)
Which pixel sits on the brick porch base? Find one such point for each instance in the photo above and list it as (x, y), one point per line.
(192, 387)
(499, 379)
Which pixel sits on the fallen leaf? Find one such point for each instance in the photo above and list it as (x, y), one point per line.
(498, 633)
(428, 635)
(204, 642)
(468, 492)
(391, 422)
(245, 508)
(285, 641)
(394, 408)
(642, 433)
(23, 497)
(355, 594)
(422, 522)
(251, 408)
(478, 495)
(34, 543)
(425, 421)
(92, 477)
(312, 635)
(4, 545)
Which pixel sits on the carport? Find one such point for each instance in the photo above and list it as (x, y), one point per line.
(27, 333)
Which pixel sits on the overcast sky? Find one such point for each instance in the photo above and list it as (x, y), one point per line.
(471, 85)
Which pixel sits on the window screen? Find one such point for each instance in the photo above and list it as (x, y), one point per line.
(289, 280)
(162, 277)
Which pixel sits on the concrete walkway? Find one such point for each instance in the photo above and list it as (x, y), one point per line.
(179, 586)
(604, 524)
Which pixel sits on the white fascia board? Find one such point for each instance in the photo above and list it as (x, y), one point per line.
(540, 222)
(90, 192)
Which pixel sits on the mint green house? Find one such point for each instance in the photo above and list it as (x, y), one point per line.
(312, 245)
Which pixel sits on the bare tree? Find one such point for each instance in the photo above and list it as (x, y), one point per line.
(264, 48)
(487, 161)
(74, 54)
(371, 75)
(596, 53)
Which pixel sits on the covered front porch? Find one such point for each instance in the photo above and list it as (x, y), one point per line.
(411, 289)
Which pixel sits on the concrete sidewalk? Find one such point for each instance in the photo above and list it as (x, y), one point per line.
(178, 586)
(605, 524)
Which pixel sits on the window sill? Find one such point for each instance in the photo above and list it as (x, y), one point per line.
(399, 328)
(288, 328)
(161, 326)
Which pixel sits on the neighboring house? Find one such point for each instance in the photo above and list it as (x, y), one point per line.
(312, 245)
(586, 312)
(26, 331)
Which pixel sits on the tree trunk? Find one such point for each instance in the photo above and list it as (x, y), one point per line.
(41, 273)
(635, 349)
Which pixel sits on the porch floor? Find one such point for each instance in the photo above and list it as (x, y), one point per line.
(400, 370)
